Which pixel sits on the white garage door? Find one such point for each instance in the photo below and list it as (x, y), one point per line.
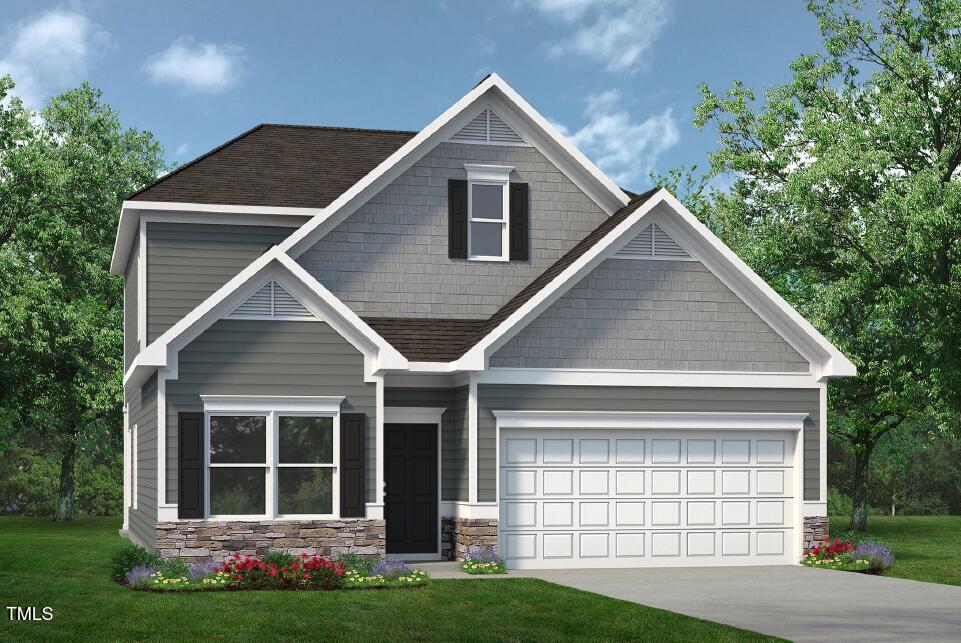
(639, 498)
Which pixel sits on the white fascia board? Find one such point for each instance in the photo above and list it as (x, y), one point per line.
(274, 264)
(649, 420)
(131, 212)
(788, 322)
(620, 378)
(440, 129)
(278, 403)
(476, 357)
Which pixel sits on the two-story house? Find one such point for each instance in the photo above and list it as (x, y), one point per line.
(418, 342)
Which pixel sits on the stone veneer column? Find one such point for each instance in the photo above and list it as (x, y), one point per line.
(815, 530)
(460, 535)
(203, 540)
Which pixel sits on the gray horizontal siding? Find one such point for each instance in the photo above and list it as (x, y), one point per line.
(454, 451)
(131, 343)
(597, 398)
(142, 411)
(187, 262)
(262, 357)
(389, 258)
(650, 315)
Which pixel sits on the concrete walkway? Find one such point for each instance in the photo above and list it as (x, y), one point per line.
(792, 602)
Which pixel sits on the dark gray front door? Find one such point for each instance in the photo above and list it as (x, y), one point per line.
(410, 473)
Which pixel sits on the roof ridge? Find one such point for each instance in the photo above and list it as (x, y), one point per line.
(340, 128)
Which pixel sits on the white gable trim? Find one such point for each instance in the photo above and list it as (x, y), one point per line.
(273, 265)
(514, 110)
(826, 360)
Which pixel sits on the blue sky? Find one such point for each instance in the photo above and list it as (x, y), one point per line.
(619, 76)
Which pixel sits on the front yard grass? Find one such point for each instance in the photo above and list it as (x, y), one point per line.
(926, 548)
(66, 567)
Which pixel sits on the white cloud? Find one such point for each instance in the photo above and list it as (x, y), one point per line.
(50, 52)
(182, 150)
(625, 149)
(617, 33)
(197, 66)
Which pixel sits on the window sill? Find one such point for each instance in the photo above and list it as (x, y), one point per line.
(489, 259)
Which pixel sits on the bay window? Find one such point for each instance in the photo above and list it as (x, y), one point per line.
(273, 463)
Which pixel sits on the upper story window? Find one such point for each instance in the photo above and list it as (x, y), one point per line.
(488, 217)
(488, 233)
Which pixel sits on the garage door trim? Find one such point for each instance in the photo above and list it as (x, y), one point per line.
(669, 422)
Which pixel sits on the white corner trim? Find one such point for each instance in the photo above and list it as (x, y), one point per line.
(472, 450)
(413, 414)
(277, 403)
(608, 195)
(167, 513)
(141, 287)
(649, 420)
(499, 173)
(814, 509)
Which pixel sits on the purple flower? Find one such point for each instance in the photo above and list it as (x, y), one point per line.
(391, 566)
(140, 575)
(877, 554)
(202, 570)
(482, 555)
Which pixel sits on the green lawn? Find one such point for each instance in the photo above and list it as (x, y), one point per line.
(927, 548)
(65, 567)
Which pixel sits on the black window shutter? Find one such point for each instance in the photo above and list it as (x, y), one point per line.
(353, 461)
(519, 222)
(190, 465)
(457, 219)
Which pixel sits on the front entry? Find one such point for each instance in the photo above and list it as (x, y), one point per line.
(410, 500)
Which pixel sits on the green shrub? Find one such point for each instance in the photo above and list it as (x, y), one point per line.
(129, 556)
(839, 504)
(279, 559)
(360, 564)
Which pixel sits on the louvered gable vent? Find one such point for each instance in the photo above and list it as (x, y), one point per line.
(653, 243)
(488, 127)
(271, 302)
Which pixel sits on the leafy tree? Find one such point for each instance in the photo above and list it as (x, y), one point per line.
(63, 175)
(846, 199)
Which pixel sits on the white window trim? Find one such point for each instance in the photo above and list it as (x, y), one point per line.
(497, 175)
(271, 408)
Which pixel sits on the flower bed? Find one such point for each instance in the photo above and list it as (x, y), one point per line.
(483, 561)
(866, 556)
(272, 571)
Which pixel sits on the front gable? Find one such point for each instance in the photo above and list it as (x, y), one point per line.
(647, 314)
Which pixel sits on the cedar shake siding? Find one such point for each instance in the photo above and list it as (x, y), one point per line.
(454, 431)
(264, 357)
(613, 398)
(142, 412)
(650, 315)
(390, 257)
(188, 262)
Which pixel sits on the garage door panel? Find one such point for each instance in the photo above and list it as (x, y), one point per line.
(616, 498)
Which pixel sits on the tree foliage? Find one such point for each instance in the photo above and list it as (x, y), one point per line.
(846, 199)
(63, 175)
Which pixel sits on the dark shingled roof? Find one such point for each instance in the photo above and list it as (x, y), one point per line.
(443, 340)
(279, 165)
(427, 340)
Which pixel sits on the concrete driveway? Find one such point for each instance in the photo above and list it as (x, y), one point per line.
(795, 602)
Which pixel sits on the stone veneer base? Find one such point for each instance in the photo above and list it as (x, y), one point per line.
(815, 530)
(201, 540)
(460, 535)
